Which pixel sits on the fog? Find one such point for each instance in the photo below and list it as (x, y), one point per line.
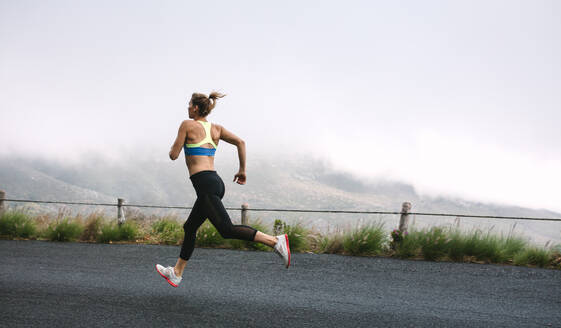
(460, 99)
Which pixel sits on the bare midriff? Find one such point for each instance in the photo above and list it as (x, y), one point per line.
(197, 164)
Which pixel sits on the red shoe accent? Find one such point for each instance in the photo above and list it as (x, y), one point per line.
(288, 249)
(167, 279)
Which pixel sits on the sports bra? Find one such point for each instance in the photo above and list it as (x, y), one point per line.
(196, 149)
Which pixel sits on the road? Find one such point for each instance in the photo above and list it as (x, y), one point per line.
(99, 285)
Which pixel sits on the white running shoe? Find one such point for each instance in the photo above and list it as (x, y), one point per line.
(283, 249)
(168, 274)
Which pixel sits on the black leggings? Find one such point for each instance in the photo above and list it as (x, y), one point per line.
(210, 190)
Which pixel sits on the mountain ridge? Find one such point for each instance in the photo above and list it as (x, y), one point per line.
(302, 183)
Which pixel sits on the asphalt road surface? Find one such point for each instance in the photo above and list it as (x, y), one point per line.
(52, 284)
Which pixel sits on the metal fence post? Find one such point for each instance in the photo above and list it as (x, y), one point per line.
(245, 207)
(404, 220)
(120, 211)
(2, 197)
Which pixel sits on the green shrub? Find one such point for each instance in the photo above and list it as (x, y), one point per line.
(473, 245)
(17, 224)
(434, 243)
(113, 232)
(92, 227)
(208, 236)
(365, 240)
(409, 245)
(456, 246)
(64, 230)
(236, 244)
(491, 249)
(297, 235)
(555, 253)
(533, 256)
(168, 231)
(128, 231)
(109, 232)
(332, 244)
(512, 246)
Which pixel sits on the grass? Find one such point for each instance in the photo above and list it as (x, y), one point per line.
(92, 227)
(491, 248)
(331, 244)
(533, 256)
(16, 224)
(366, 240)
(111, 232)
(64, 230)
(208, 236)
(439, 243)
(556, 256)
(298, 236)
(410, 245)
(167, 231)
(513, 245)
(456, 246)
(434, 244)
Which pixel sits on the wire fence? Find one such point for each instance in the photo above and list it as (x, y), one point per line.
(244, 208)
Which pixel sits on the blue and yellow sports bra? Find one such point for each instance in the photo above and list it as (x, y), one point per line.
(196, 149)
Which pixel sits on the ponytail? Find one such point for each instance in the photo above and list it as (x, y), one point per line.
(205, 104)
(212, 99)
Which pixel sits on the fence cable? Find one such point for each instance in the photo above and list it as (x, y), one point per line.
(292, 210)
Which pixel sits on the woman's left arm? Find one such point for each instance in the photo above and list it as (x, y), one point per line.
(231, 138)
(179, 141)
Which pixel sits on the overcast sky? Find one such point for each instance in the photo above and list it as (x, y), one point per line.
(459, 98)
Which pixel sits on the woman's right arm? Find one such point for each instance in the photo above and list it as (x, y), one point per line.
(179, 141)
(231, 138)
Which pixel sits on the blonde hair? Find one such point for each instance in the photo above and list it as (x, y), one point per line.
(205, 104)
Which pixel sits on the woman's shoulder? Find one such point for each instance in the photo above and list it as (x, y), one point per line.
(216, 125)
(217, 128)
(189, 124)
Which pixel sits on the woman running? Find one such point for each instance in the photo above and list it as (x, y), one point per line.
(199, 138)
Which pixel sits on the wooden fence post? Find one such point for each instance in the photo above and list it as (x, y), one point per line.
(404, 220)
(245, 207)
(120, 211)
(2, 197)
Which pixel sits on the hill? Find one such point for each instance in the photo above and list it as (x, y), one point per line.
(273, 182)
